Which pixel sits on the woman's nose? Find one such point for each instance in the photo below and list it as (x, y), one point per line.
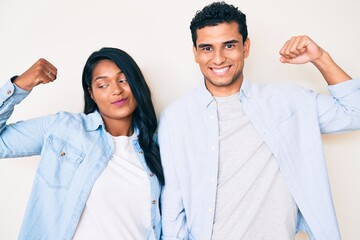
(118, 89)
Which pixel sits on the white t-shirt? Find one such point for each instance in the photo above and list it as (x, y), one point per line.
(119, 205)
(252, 200)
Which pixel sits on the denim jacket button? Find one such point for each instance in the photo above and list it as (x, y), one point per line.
(151, 174)
(154, 202)
(62, 154)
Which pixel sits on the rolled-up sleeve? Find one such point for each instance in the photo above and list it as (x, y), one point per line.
(340, 112)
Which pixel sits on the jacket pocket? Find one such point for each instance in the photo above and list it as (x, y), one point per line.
(59, 162)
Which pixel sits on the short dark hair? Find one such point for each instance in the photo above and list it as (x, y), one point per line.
(144, 117)
(216, 13)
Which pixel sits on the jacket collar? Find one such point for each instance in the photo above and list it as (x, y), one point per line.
(94, 121)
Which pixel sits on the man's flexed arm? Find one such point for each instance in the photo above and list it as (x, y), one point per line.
(302, 49)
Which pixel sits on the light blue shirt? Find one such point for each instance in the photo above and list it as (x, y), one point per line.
(289, 118)
(74, 149)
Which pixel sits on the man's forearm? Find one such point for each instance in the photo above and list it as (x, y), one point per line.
(331, 72)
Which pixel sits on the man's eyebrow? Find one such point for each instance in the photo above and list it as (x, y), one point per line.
(204, 45)
(231, 41)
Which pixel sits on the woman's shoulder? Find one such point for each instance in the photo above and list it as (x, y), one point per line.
(78, 118)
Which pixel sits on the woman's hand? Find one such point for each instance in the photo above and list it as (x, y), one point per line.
(41, 71)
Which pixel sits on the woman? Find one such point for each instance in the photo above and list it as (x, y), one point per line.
(99, 174)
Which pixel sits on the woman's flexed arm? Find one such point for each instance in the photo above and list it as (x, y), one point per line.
(41, 72)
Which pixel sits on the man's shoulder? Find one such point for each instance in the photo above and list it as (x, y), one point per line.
(283, 89)
(184, 103)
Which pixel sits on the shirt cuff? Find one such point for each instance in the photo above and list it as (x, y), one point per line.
(344, 88)
(11, 90)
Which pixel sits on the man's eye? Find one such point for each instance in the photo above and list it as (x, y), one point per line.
(207, 49)
(230, 45)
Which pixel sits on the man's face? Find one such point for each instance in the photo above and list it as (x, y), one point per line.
(220, 53)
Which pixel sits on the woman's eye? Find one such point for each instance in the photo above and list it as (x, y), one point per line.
(103, 85)
(123, 81)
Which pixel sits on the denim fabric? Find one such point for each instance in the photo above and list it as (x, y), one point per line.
(74, 149)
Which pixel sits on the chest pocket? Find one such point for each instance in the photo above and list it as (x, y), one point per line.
(59, 162)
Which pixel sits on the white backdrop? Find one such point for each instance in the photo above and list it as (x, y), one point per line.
(156, 34)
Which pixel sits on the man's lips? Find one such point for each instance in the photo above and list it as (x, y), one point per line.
(220, 71)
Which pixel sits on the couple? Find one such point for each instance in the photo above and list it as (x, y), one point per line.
(235, 155)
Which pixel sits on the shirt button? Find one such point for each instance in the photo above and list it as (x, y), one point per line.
(62, 154)
(210, 210)
(9, 92)
(213, 148)
(151, 174)
(154, 202)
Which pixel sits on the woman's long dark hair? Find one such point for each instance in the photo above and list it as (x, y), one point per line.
(144, 117)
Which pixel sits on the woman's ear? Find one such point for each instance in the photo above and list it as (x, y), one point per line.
(91, 94)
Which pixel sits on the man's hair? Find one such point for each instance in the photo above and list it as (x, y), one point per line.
(216, 13)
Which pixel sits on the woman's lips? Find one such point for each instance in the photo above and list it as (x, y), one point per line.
(119, 102)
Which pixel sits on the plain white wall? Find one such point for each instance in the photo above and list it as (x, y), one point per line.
(156, 34)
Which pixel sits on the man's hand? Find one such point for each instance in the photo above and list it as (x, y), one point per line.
(302, 49)
(299, 50)
(41, 71)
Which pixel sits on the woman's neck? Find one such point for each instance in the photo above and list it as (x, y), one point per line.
(119, 127)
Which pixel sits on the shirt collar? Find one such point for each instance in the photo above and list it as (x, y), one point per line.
(245, 89)
(206, 99)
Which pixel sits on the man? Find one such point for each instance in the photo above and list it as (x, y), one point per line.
(244, 160)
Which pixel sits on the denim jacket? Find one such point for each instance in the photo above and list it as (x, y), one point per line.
(289, 118)
(74, 149)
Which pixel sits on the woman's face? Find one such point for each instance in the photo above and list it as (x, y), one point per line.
(112, 94)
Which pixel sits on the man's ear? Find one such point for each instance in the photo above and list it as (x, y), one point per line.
(246, 47)
(195, 54)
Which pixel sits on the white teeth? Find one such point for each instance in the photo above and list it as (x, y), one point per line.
(220, 70)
